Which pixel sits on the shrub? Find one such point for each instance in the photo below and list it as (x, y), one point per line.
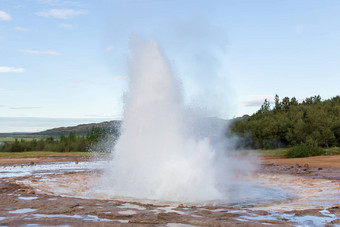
(301, 151)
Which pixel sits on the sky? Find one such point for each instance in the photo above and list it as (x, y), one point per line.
(67, 62)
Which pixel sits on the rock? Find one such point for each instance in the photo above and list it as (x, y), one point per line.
(336, 206)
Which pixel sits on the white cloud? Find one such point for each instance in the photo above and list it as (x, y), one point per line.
(25, 107)
(6, 69)
(21, 29)
(66, 26)
(46, 52)
(100, 83)
(5, 16)
(57, 2)
(299, 29)
(119, 77)
(109, 48)
(60, 13)
(256, 100)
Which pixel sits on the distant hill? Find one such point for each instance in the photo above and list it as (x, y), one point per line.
(82, 129)
(203, 127)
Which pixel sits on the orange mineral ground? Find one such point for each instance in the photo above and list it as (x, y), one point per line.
(62, 191)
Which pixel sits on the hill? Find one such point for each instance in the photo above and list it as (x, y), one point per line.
(82, 129)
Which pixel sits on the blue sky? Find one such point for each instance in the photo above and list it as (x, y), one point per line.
(69, 59)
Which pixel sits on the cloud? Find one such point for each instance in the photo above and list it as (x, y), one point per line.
(58, 2)
(109, 48)
(60, 13)
(21, 29)
(256, 100)
(119, 116)
(25, 107)
(6, 69)
(48, 1)
(46, 52)
(66, 26)
(119, 77)
(299, 29)
(100, 83)
(5, 16)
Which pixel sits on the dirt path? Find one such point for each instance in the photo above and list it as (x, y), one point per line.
(330, 161)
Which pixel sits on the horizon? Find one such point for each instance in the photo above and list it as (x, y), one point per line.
(70, 60)
(36, 124)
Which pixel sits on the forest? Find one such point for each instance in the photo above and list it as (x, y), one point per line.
(314, 123)
(95, 139)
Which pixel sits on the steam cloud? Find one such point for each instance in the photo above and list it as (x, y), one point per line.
(157, 157)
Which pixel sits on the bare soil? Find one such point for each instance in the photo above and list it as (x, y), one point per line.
(329, 161)
(21, 204)
(30, 160)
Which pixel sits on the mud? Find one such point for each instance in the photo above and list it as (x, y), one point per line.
(59, 199)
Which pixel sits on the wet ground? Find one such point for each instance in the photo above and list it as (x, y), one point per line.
(57, 194)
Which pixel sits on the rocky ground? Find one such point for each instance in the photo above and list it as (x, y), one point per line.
(30, 200)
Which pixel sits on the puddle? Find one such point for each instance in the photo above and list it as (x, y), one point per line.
(306, 220)
(131, 206)
(22, 211)
(57, 216)
(49, 168)
(127, 212)
(179, 225)
(95, 218)
(27, 198)
(170, 209)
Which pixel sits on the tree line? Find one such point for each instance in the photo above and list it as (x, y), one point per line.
(68, 143)
(313, 122)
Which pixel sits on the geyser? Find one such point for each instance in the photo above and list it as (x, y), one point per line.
(156, 157)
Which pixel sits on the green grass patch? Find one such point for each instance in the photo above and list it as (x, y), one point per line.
(332, 151)
(31, 154)
(299, 151)
(302, 151)
(273, 152)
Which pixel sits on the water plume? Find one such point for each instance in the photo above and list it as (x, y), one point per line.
(156, 157)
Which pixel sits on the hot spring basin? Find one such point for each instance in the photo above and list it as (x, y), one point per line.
(279, 196)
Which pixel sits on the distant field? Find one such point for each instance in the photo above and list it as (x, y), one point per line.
(30, 154)
(12, 139)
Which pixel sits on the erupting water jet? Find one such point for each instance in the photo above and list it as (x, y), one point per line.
(155, 156)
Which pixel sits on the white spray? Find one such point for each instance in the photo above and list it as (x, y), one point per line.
(155, 157)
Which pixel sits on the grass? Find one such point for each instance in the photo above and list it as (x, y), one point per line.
(332, 151)
(273, 152)
(282, 152)
(31, 154)
(302, 151)
(12, 139)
